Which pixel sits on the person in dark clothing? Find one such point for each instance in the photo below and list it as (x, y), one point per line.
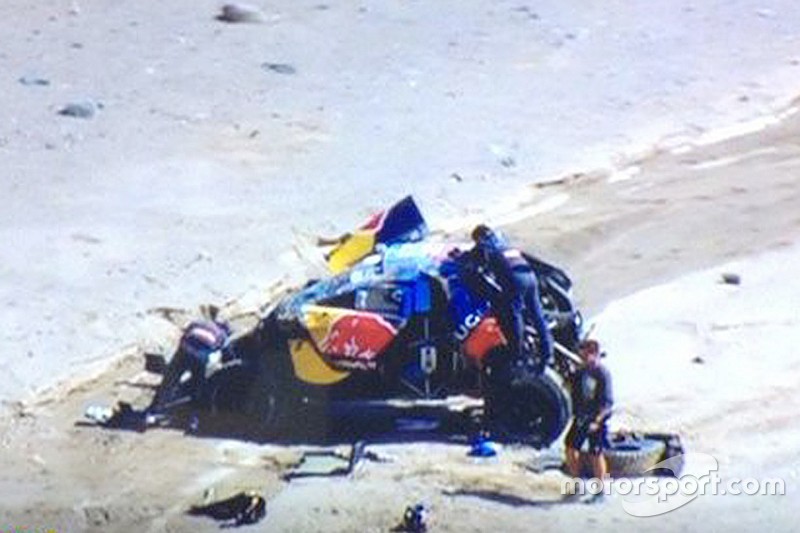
(517, 294)
(199, 341)
(593, 400)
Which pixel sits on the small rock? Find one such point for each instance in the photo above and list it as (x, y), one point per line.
(455, 176)
(34, 81)
(86, 109)
(96, 516)
(280, 68)
(235, 13)
(508, 162)
(698, 360)
(730, 278)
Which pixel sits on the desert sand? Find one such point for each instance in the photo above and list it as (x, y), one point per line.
(647, 149)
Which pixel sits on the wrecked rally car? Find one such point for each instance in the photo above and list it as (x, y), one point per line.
(400, 318)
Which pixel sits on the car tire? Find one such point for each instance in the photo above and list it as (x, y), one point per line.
(674, 452)
(535, 409)
(632, 457)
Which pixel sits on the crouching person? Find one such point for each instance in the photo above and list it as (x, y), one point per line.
(592, 400)
(199, 341)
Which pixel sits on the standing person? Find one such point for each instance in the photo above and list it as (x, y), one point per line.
(518, 292)
(593, 399)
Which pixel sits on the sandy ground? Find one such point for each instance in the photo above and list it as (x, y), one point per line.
(204, 169)
(738, 404)
(204, 175)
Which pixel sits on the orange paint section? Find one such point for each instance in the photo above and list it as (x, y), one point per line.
(486, 336)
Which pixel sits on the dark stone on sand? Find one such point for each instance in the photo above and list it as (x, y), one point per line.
(730, 278)
(280, 68)
(508, 162)
(32, 81)
(85, 109)
(237, 13)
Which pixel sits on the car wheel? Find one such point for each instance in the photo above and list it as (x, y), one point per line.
(632, 457)
(534, 409)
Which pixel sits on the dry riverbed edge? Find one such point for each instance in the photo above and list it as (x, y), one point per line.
(678, 212)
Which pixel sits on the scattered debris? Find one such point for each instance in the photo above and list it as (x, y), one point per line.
(122, 416)
(85, 109)
(237, 13)
(247, 507)
(280, 68)
(415, 519)
(327, 463)
(34, 81)
(483, 446)
(730, 278)
(508, 162)
(97, 516)
(376, 457)
(99, 414)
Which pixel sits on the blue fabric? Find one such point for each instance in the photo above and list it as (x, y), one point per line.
(422, 296)
(403, 222)
(483, 447)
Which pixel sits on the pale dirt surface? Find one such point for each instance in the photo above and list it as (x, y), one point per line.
(204, 176)
(616, 238)
(204, 173)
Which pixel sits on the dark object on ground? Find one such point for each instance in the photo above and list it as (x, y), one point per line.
(241, 509)
(698, 360)
(634, 455)
(415, 519)
(237, 13)
(673, 454)
(730, 278)
(34, 81)
(483, 446)
(155, 363)
(122, 416)
(280, 68)
(326, 463)
(86, 109)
